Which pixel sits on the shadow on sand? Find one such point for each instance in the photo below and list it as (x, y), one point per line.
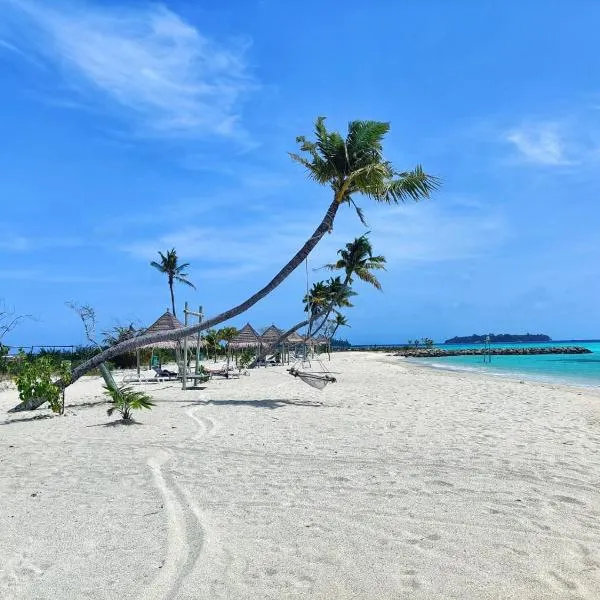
(269, 403)
(116, 423)
(34, 418)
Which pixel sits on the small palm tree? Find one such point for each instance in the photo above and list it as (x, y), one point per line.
(211, 339)
(227, 334)
(339, 321)
(126, 399)
(357, 259)
(327, 296)
(175, 272)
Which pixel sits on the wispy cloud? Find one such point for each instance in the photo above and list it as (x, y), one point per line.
(146, 59)
(50, 277)
(540, 143)
(17, 243)
(406, 235)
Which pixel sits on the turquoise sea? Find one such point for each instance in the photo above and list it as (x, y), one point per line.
(579, 369)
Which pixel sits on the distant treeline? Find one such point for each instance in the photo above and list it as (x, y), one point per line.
(501, 337)
(340, 343)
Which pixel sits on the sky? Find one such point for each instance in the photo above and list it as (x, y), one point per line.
(130, 127)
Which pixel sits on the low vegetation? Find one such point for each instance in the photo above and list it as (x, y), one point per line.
(38, 378)
(125, 400)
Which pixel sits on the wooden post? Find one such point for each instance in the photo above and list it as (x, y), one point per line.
(198, 341)
(185, 343)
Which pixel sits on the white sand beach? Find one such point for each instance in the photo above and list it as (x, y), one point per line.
(398, 481)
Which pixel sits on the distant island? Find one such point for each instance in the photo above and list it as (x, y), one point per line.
(501, 337)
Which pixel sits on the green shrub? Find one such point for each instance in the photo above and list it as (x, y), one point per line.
(245, 358)
(37, 379)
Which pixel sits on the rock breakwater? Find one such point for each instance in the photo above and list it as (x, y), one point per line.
(438, 352)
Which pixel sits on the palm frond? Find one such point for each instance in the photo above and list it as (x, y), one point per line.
(368, 277)
(157, 266)
(184, 280)
(360, 213)
(364, 136)
(411, 185)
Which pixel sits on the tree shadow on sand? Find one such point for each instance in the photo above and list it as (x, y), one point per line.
(268, 403)
(88, 404)
(34, 418)
(125, 422)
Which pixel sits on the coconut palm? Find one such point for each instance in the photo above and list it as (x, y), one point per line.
(350, 167)
(211, 339)
(357, 259)
(339, 321)
(325, 297)
(227, 334)
(175, 272)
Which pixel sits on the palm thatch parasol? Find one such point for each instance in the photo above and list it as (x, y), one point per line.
(271, 335)
(247, 337)
(168, 322)
(294, 338)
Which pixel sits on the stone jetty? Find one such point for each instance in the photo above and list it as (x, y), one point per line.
(438, 352)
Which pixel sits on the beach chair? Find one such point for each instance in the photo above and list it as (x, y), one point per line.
(164, 374)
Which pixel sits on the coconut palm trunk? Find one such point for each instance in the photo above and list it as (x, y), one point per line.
(172, 297)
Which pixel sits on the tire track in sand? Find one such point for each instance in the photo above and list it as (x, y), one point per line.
(185, 535)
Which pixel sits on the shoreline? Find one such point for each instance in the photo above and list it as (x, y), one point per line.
(502, 374)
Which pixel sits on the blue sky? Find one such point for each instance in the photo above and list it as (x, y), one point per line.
(132, 127)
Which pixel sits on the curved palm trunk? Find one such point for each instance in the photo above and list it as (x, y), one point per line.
(162, 336)
(329, 311)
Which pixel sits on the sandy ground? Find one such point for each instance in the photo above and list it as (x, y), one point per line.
(396, 482)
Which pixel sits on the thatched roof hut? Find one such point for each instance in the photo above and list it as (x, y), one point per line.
(247, 337)
(294, 338)
(168, 322)
(271, 335)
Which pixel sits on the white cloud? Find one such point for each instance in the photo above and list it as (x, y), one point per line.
(407, 235)
(540, 143)
(145, 58)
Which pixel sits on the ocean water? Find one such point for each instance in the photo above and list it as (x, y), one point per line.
(578, 369)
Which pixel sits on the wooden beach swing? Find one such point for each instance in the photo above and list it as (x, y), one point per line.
(303, 368)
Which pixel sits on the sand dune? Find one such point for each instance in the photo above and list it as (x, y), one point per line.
(396, 482)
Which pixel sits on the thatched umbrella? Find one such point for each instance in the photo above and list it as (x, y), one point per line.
(247, 337)
(294, 338)
(271, 335)
(166, 322)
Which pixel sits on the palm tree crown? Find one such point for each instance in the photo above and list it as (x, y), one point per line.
(175, 272)
(357, 259)
(356, 165)
(333, 293)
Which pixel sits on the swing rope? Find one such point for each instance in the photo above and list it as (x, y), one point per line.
(303, 369)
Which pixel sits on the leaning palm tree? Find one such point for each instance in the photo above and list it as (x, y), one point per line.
(339, 321)
(357, 259)
(325, 297)
(175, 272)
(350, 167)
